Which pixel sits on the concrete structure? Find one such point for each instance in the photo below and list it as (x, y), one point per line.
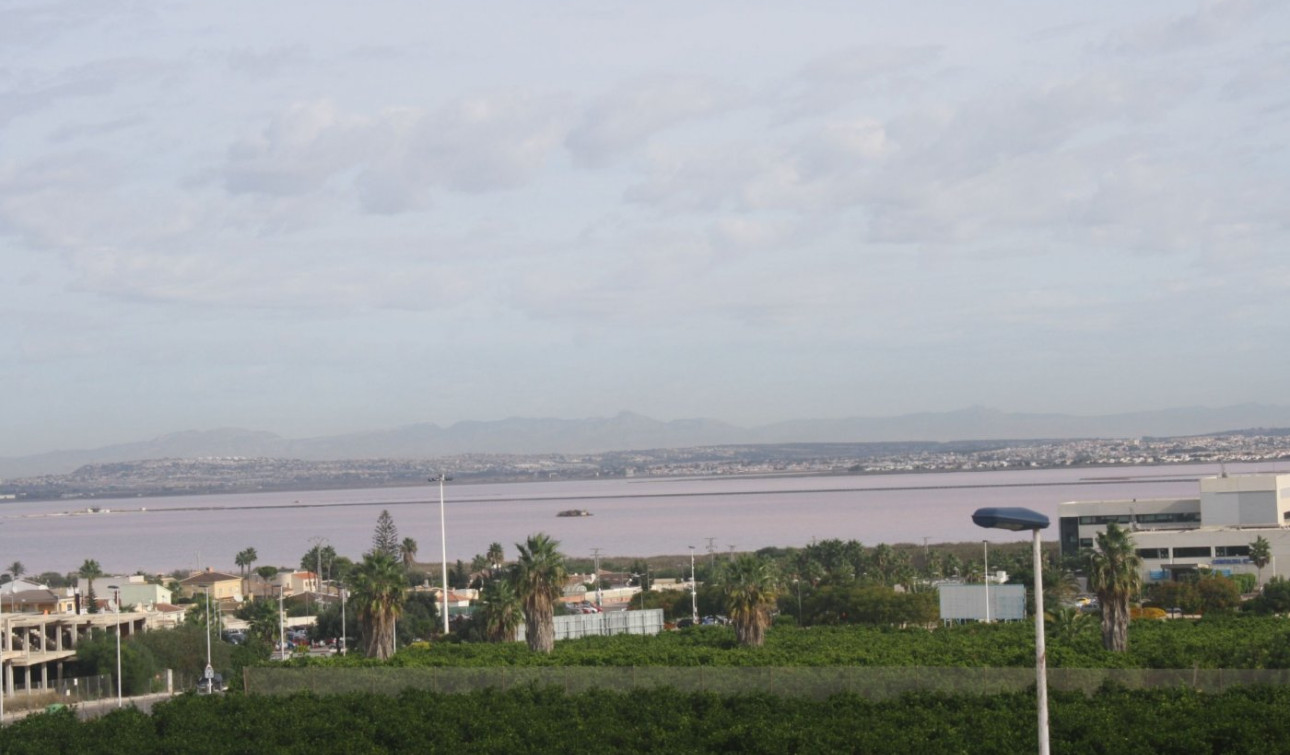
(34, 645)
(1179, 535)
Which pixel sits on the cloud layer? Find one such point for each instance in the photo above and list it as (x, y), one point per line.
(304, 219)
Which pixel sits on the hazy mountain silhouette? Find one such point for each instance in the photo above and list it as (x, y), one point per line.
(627, 431)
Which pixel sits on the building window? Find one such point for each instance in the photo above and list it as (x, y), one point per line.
(1177, 517)
(1231, 550)
(1192, 552)
(1105, 519)
(1086, 542)
(1153, 552)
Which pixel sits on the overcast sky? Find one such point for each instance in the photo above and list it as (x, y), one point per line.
(317, 217)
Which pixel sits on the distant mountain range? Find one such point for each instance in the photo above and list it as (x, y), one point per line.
(628, 431)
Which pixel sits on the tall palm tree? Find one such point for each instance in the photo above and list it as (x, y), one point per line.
(750, 590)
(496, 556)
(538, 578)
(1114, 577)
(90, 571)
(378, 593)
(1260, 554)
(408, 552)
(501, 613)
(244, 559)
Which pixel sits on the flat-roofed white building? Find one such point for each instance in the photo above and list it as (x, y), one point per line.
(1175, 535)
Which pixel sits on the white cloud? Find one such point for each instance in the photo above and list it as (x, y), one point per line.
(631, 113)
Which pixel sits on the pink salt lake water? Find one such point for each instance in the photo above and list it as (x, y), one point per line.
(630, 517)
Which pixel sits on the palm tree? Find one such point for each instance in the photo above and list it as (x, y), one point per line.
(1066, 623)
(408, 552)
(501, 613)
(750, 591)
(1260, 554)
(90, 571)
(244, 559)
(378, 594)
(538, 579)
(1114, 577)
(496, 556)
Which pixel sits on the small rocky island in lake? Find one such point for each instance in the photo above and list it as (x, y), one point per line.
(574, 512)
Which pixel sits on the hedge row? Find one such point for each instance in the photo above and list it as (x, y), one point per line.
(1220, 642)
(1111, 720)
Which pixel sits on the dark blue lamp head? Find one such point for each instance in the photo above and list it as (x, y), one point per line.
(1009, 518)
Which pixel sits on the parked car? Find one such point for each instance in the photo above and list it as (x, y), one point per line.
(210, 686)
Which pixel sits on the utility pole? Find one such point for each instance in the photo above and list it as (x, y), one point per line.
(712, 553)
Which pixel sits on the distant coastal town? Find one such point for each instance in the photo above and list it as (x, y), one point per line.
(248, 474)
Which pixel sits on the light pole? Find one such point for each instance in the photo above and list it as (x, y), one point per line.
(798, 584)
(644, 580)
(116, 602)
(282, 625)
(985, 573)
(1017, 519)
(694, 591)
(4, 636)
(208, 627)
(441, 478)
(344, 641)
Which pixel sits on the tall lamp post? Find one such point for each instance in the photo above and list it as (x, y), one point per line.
(4, 637)
(985, 573)
(441, 478)
(116, 602)
(1018, 519)
(282, 624)
(344, 641)
(694, 590)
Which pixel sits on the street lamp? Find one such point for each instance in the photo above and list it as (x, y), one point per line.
(1018, 519)
(116, 601)
(282, 624)
(344, 641)
(694, 590)
(644, 584)
(441, 478)
(208, 627)
(4, 634)
(985, 573)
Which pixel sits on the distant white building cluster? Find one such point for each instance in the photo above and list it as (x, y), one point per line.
(1180, 535)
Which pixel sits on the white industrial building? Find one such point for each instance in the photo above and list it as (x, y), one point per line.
(1179, 535)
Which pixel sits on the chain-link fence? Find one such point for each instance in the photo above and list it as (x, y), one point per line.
(799, 681)
(69, 691)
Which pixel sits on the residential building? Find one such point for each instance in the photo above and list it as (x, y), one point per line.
(135, 590)
(222, 587)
